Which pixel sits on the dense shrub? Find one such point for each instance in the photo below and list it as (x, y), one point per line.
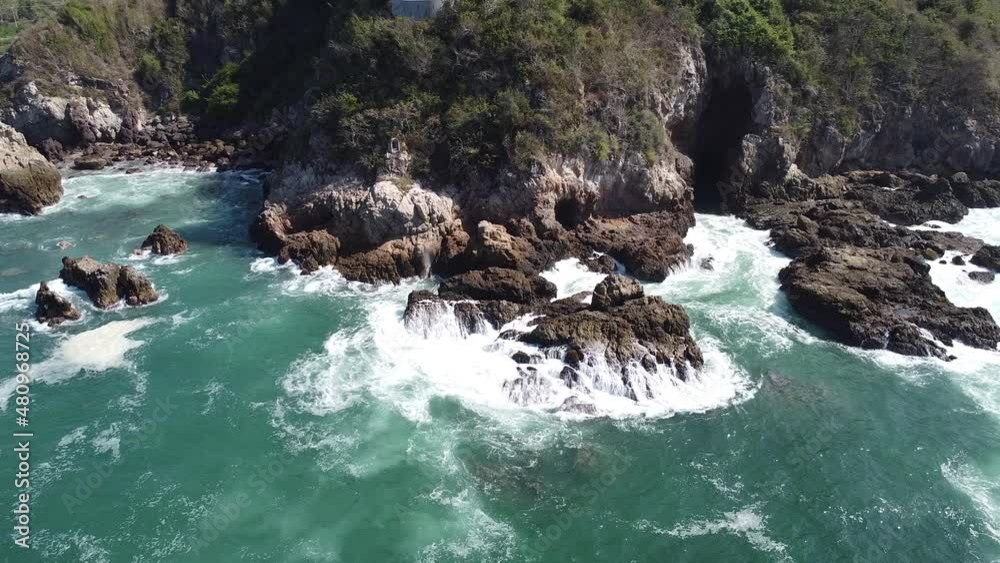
(490, 84)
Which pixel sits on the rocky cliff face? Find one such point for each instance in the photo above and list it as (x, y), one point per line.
(28, 182)
(563, 205)
(69, 120)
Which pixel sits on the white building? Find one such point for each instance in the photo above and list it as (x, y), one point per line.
(417, 9)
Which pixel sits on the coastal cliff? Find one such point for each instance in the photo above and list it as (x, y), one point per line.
(512, 135)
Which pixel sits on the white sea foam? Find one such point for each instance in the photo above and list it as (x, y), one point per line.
(436, 355)
(741, 262)
(963, 291)
(73, 437)
(94, 351)
(108, 441)
(570, 277)
(407, 367)
(982, 490)
(983, 224)
(746, 523)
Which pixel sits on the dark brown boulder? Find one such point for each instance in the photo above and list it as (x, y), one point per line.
(423, 308)
(90, 163)
(879, 299)
(627, 335)
(614, 291)
(649, 245)
(107, 284)
(982, 277)
(135, 288)
(52, 149)
(310, 250)
(164, 241)
(52, 308)
(988, 257)
(498, 284)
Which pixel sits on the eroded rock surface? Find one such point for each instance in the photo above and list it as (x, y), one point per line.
(621, 330)
(882, 299)
(28, 182)
(52, 308)
(108, 284)
(164, 241)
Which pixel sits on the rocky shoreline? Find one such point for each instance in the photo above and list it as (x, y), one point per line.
(857, 272)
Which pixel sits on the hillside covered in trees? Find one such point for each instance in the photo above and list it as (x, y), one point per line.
(492, 83)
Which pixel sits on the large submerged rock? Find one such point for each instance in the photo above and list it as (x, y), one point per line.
(108, 284)
(28, 182)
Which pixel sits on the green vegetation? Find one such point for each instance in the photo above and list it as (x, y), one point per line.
(162, 66)
(858, 54)
(489, 84)
(223, 92)
(91, 23)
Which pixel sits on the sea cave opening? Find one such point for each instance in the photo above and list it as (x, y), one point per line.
(726, 119)
(570, 213)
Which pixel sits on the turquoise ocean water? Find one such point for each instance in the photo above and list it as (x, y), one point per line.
(254, 414)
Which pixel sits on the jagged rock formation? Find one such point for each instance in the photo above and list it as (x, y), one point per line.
(52, 308)
(614, 291)
(988, 257)
(67, 120)
(623, 329)
(107, 284)
(164, 241)
(882, 299)
(867, 281)
(28, 182)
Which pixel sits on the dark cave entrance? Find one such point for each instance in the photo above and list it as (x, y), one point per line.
(726, 119)
(570, 213)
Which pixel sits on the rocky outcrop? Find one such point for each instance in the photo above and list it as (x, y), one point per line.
(108, 284)
(614, 291)
(649, 245)
(425, 309)
(910, 200)
(28, 182)
(70, 120)
(988, 257)
(982, 277)
(976, 193)
(645, 331)
(52, 308)
(164, 241)
(498, 284)
(634, 207)
(866, 280)
(799, 227)
(937, 139)
(882, 299)
(371, 232)
(621, 330)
